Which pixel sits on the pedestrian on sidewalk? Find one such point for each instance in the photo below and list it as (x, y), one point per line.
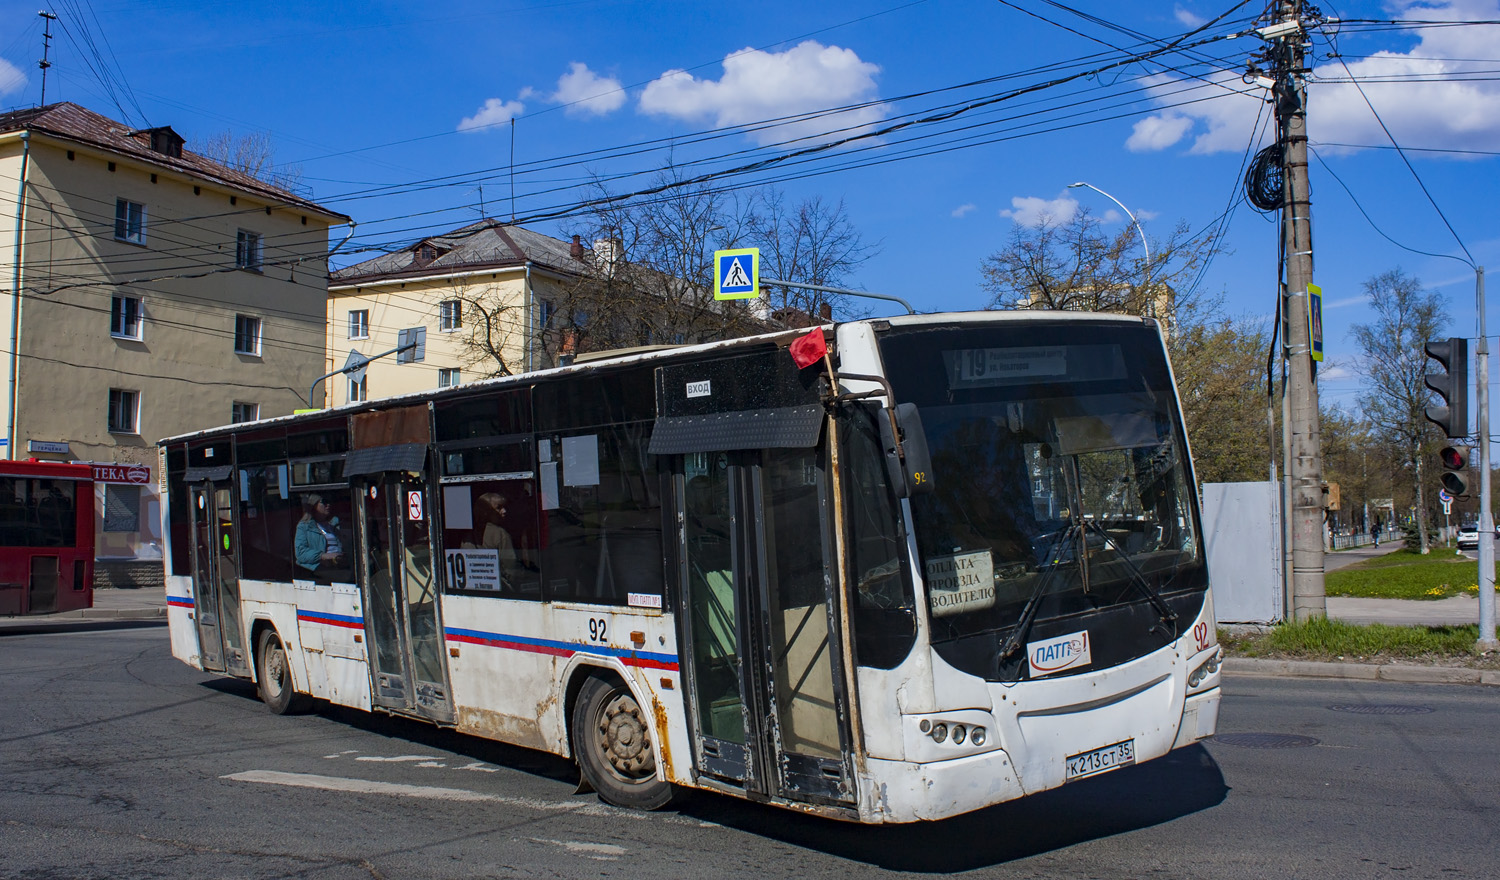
(1375, 531)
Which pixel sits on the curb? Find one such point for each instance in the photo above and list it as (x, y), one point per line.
(1362, 671)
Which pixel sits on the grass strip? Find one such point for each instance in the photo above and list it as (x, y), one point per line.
(1406, 574)
(1326, 639)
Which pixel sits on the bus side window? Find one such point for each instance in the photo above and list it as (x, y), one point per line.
(885, 625)
(321, 529)
(604, 541)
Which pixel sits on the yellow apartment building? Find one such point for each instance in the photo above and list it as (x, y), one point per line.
(149, 291)
(480, 295)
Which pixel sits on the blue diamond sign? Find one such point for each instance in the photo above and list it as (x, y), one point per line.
(737, 273)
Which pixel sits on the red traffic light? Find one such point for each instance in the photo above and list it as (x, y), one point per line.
(1453, 458)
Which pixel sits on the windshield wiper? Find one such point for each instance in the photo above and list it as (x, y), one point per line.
(1044, 583)
(1167, 625)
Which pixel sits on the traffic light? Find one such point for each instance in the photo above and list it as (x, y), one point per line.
(1452, 385)
(1455, 459)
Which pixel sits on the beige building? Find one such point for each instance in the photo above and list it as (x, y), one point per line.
(480, 294)
(149, 292)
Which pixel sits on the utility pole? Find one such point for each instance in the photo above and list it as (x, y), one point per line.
(1305, 465)
(1486, 641)
(48, 18)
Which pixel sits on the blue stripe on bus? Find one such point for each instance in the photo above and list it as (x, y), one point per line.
(563, 649)
(343, 620)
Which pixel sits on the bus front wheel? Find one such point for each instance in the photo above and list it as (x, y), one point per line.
(612, 743)
(275, 676)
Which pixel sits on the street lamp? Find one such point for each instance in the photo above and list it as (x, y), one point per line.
(1150, 300)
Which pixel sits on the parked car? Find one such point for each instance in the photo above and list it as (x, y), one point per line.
(1468, 537)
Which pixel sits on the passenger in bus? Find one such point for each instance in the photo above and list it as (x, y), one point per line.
(490, 532)
(318, 544)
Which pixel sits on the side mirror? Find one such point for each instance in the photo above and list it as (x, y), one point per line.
(908, 463)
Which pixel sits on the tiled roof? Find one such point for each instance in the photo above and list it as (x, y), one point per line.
(72, 122)
(487, 244)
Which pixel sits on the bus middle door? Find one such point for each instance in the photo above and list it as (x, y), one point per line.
(400, 584)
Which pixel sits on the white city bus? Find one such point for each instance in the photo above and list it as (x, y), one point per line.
(955, 562)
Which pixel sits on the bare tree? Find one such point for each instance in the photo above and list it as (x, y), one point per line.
(253, 154)
(1075, 266)
(651, 272)
(495, 331)
(813, 242)
(1406, 317)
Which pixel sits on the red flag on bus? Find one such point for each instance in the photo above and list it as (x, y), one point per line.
(809, 349)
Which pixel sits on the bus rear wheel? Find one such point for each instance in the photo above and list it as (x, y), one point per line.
(274, 676)
(612, 743)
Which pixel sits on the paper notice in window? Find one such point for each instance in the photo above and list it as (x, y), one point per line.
(580, 460)
(458, 508)
(959, 583)
(548, 472)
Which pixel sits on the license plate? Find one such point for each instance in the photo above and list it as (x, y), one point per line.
(1120, 754)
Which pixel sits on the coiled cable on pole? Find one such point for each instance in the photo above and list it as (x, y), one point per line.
(1263, 179)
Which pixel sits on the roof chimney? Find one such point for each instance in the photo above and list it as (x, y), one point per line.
(576, 250)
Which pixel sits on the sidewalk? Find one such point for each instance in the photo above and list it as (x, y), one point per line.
(146, 605)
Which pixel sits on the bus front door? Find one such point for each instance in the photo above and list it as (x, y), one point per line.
(769, 710)
(407, 666)
(216, 593)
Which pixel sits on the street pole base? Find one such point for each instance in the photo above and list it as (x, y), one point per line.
(1487, 646)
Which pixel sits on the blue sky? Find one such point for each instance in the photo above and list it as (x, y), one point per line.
(385, 94)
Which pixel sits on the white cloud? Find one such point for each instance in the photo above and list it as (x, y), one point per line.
(587, 93)
(761, 85)
(11, 78)
(1033, 211)
(1158, 132)
(494, 112)
(1147, 215)
(964, 209)
(1421, 94)
(1186, 18)
(1334, 373)
(1347, 301)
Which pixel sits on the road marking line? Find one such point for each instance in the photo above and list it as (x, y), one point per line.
(604, 852)
(398, 759)
(365, 786)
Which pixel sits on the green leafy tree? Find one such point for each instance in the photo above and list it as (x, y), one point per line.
(1393, 364)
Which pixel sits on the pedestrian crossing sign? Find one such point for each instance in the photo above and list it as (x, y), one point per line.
(737, 274)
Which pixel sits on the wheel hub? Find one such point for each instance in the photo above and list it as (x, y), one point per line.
(625, 739)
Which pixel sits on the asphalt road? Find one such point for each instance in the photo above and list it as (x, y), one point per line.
(118, 761)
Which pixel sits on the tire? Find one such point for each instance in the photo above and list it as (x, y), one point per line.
(612, 742)
(274, 677)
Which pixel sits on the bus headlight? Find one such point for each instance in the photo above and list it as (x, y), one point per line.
(939, 732)
(977, 736)
(1205, 669)
(958, 734)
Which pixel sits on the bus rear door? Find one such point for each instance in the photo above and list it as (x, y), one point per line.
(215, 576)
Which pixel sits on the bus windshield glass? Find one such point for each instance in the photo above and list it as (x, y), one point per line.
(1062, 483)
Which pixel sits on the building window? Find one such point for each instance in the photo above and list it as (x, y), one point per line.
(246, 335)
(451, 315)
(359, 389)
(130, 221)
(122, 508)
(125, 317)
(359, 324)
(124, 411)
(244, 412)
(247, 250)
(544, 312)
(448, 378)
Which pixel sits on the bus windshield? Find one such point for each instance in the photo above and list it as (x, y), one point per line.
(1062, 483)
